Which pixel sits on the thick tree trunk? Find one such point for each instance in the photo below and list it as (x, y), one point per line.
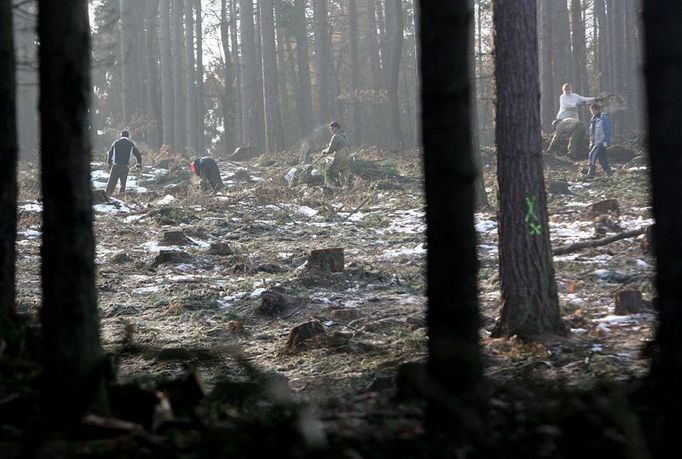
(378, 121)
(454, 364)
(73, 356)
(260, 105)
(323, 61)
(394, 48)
(8, 171)
(663, 70)
(167, 94)
(274, 140)
(191, 78)
(180, 76)
(530, 306)
(305, 102)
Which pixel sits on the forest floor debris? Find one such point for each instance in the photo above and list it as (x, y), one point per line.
(239, 281)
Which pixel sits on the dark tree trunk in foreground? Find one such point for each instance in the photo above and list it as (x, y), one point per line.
(454, 363)
(663, 69)
(8, 171)
(530, 306)
(73, 356)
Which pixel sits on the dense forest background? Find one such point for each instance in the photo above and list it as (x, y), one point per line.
(269, 76)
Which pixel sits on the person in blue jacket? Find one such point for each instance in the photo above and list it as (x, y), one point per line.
(600, 136)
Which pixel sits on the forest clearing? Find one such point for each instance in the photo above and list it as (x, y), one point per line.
(237, 283)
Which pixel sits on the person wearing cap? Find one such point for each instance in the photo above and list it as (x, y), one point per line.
(339, 170)
(118, 159)
(207, 169)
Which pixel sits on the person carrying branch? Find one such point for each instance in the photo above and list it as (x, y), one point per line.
(600, 135)
(339, 170)
(207, 169)
(569, 103)
(118, 159)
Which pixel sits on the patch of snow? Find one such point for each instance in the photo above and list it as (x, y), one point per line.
(578, 331)
(642, 263)
(638, 168)
(597, 348)
(32, 207)
(419, 249)
(166, 199)
(290, 175)
(31, 233)
(145, 290)
(486, 226)
(257, 293)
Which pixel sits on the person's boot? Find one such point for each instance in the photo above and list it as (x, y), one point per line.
(590, 174)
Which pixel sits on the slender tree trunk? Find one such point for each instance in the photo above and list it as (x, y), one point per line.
(305, 103)
(237, 66)
(454, 364)
(274, 140)
(73, 356)
(260, 103)
(8, 171)
(249, 75)
(227, 101)
(353, 35)
(394, 48)
(547, 84)
(180, 76)
(602, 46)
(480, 193)
(530, 306)
(128, 61)
(579, 53)
(562, 59)
(191, 78)
(378, 123)
(323, 60)
(167, 93)
(151, 74)
(201, 141)
(663, 70)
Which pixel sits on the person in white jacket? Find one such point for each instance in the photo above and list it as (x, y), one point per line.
(569, 103)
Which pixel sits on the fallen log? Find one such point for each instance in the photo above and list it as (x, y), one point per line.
(597, 242)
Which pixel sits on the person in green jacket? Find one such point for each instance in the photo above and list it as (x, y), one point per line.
(339, 170)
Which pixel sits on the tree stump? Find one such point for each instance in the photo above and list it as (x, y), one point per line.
(326, 260)
(175, 238)
(220, 248)
(628, 302)
(604, 207)
(304, 332)
(274, 302)
(171, 256)
(647, 243)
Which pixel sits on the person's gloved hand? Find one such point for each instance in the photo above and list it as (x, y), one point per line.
(606, 144)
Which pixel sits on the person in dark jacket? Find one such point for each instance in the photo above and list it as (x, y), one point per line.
(120, 155)
(207, 169)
